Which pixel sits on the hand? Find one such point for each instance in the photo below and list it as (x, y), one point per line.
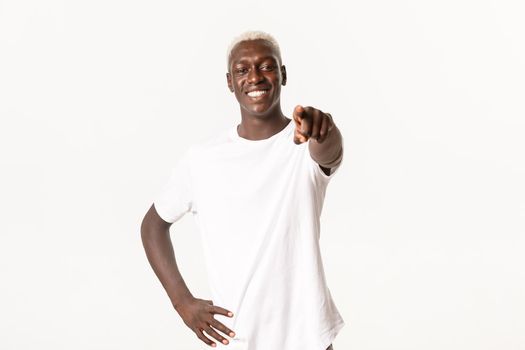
(197, 314)
(311, 123)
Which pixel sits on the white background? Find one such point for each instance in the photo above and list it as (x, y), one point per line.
(423, 227)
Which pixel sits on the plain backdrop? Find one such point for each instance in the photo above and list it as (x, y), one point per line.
(423, 227)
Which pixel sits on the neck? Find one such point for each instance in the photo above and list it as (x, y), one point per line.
(259, 127)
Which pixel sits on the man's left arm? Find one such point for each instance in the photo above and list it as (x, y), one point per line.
(326, 142)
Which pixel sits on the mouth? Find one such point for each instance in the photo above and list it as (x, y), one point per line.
(257, 93)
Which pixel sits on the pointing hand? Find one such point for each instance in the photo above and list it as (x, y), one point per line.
(311, 123)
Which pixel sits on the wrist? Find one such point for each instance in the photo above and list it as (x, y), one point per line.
(182, 300)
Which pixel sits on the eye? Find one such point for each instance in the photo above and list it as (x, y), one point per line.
(267, 67)
(241, 70)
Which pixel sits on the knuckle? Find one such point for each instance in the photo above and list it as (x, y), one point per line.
(219, 326)
(223, 328)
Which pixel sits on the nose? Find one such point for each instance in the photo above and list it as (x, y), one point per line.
(254, 76)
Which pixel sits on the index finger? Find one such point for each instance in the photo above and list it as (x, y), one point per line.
(219, 310)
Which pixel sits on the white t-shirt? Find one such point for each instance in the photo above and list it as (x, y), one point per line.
(257, 206)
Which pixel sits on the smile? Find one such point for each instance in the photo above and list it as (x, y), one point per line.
(257, 93)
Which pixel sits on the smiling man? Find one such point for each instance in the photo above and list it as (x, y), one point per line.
(256, 192)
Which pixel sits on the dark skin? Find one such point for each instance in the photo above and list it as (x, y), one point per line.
(196, 313)
(254, 66)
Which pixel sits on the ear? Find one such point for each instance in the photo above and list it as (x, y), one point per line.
(283, 73)
(229, 81)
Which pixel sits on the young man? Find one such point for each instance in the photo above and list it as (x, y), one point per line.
(256, 192)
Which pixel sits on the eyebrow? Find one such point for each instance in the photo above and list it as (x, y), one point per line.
(241, 60)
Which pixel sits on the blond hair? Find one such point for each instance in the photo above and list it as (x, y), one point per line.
(253, 35)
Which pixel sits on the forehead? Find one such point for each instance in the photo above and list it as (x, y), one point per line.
(253, 50)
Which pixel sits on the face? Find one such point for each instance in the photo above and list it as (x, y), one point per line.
(255, 76)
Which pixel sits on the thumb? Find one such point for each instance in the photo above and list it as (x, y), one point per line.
(298, 113)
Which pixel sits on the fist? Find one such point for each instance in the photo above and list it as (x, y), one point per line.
(311, 123)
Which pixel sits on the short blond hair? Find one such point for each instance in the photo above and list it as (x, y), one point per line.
(253, 35)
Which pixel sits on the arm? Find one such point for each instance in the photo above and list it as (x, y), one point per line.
(159, 251)
(196, 313)
(329, 153)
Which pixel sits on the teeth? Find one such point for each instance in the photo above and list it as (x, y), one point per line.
(256, 93)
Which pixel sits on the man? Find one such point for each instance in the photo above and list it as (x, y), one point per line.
(256, 192)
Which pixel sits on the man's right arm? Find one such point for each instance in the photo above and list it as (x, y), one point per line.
(156, 240)
(196, 313)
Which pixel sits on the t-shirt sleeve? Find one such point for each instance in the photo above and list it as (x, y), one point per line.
(318, 174)
(175, 198)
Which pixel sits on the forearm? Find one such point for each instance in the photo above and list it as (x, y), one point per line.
(330, 152)
(159, 251)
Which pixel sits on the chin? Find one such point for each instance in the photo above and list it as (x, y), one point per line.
(258, 111)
